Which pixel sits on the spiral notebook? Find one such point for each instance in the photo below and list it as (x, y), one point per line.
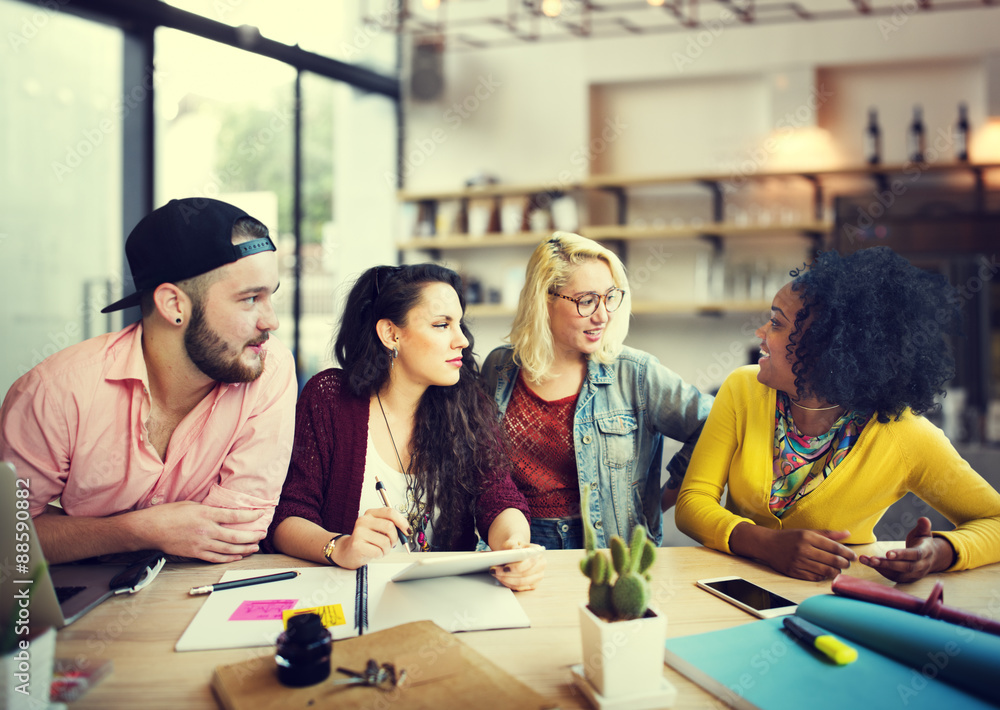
(369, 601)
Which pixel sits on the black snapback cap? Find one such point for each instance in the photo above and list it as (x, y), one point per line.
(183, 239)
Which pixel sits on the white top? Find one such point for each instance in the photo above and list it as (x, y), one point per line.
(395, 488)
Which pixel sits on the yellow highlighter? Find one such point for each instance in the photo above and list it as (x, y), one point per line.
(815, 637)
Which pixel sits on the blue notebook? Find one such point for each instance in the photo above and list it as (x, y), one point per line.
(903, 661)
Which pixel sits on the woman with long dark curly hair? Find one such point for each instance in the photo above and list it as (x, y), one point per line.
(825, 433)
(406, 410)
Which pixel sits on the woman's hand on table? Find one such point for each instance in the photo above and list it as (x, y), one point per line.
(813, 555)
(520, 576)
(924, 554)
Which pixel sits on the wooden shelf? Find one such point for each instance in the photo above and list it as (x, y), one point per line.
(616, 233)
(700, 308)
(727, 229)
(642, 308)
(499, 190)
(611, 181)
(604, 182)
(488, 310)
(716, 183)
(466, 241)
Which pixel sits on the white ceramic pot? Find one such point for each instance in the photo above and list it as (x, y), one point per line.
(623, 657)
(26, 674)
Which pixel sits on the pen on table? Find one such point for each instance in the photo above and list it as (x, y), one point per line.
(380, 487)
(815, 637)
(236, 583)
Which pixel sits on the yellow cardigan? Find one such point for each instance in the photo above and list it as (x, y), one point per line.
(736, 447)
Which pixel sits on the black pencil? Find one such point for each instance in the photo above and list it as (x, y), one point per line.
(219, 586)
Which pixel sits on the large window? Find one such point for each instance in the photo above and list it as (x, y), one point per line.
(94, 138)
(61, 184)
(313, 25)
(225, 129)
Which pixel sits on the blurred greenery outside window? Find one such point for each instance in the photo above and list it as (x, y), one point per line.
(225, 130)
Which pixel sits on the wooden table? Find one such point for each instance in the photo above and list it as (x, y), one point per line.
(139, 632)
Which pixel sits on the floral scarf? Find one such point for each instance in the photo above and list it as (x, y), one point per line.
(802, 462)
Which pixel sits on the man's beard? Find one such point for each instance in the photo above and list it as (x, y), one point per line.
(213, 356)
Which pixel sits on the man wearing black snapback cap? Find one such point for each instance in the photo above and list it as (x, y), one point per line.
(174, 433)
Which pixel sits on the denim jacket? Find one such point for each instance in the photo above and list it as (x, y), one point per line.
(622, 413)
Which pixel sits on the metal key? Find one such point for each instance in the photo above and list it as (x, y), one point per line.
(383, 677)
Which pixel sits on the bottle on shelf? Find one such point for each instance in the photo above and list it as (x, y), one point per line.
(961, 134)
(915, 136)
(873, 139)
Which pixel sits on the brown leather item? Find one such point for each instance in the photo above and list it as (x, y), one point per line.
(441, 671)
(933, 606)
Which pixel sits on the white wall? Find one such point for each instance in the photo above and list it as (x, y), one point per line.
(687, 103)
(533, 108)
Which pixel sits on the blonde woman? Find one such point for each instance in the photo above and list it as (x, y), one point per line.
(579, 407)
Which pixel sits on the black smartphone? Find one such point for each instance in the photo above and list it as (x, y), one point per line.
(748, 596)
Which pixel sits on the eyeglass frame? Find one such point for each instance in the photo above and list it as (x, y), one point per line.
(600, 298)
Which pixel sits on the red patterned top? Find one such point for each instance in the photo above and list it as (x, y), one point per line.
(541, 436)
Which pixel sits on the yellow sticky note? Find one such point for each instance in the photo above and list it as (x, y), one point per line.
(331, 615)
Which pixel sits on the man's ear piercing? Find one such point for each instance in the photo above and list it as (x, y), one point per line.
(178, 321)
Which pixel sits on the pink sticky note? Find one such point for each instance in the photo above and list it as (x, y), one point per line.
(262, 610)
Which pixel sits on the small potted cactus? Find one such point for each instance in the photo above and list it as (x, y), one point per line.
(622, 635)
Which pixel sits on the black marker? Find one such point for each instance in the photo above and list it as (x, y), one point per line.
(236, 583)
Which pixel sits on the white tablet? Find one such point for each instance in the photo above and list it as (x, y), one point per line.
(464, 563)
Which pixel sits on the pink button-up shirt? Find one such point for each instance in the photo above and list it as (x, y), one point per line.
(75, 426)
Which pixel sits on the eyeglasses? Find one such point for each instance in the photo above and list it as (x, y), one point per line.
(587, 304)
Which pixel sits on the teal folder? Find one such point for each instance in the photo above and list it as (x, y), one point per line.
(904, 661)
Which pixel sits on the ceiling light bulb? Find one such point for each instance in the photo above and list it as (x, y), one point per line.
(432, 4)
(655, 3)
(551, 8)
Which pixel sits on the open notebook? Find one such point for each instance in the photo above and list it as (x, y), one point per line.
(370, 601)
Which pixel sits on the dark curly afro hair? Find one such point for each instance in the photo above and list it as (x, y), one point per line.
(877, 339)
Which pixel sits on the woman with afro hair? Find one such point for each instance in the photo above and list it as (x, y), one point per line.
(825, 433)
